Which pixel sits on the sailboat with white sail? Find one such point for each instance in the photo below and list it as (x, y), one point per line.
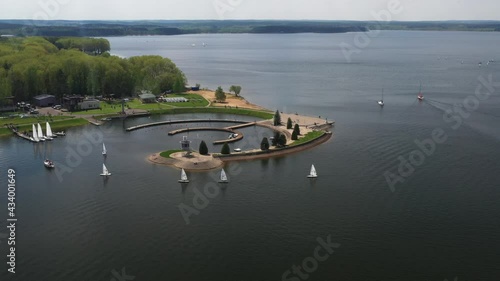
(312, 173)
(40, 133)
(105, 171)
(223, 177)
(48, 132)
(35, 134)
(48, 129)
(184, 178)
(104, 151)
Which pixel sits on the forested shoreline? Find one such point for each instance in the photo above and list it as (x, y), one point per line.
(79, 66)
(104, 28)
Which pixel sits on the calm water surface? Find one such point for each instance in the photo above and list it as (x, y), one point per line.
(441, 222)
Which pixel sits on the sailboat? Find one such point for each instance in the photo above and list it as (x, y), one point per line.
(40, 133)
(104, 149)
(184, 178)
(420, 97)
(312, 173)
(49, 131)
(223, 177)
(35, 135)
(105, 171)
(381, 102)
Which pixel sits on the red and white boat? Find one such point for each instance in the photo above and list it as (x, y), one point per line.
(420, 97)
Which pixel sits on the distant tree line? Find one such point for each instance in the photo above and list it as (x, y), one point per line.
(158, 27)
(62, 66)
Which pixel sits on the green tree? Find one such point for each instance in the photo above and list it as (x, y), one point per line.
(296, 129)
(178, 86)
(66, 66)
(277, 118)
(289, 123)
(294, 135)
(225, 149)
(282, 140)
(264, 144)
(220, 96)
(203, 148)
(275, 139)
(236, 89)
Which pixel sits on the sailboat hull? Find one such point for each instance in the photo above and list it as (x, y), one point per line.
(105, 175)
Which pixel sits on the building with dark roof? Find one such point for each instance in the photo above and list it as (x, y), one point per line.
(44, 100)
(71, 102)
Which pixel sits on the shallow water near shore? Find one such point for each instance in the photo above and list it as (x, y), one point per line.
(440, 223)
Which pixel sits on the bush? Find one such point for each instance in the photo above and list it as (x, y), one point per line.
(294, 135)
(264, 144)
(203, 148)
(225, 149)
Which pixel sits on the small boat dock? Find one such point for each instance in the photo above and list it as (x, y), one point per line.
(16, 132)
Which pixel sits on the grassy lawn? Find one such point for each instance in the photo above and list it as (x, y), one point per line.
(32, 119)
(108, 108)
(195, 100)
(137, 104)
(308, 137)
(166, 154)
(56, 125)
(236, 111)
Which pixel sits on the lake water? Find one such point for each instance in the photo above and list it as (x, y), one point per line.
(442, 222)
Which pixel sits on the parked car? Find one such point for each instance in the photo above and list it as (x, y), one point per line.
(57, 107)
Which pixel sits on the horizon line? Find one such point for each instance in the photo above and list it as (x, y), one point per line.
(222, 20)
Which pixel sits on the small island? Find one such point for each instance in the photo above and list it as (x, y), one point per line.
(298, 133)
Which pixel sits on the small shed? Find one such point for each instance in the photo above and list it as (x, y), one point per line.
(147, 98)
(44, 100)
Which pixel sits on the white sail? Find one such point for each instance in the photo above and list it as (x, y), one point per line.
(105, 171)
(40, 133)
(313, 173)
(183, 175)
(48, 135)
(35, 134)
(49, 130)
(223, 176)
(104, 151)
(184, 178)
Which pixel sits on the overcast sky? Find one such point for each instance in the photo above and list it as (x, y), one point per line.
(412, 10)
